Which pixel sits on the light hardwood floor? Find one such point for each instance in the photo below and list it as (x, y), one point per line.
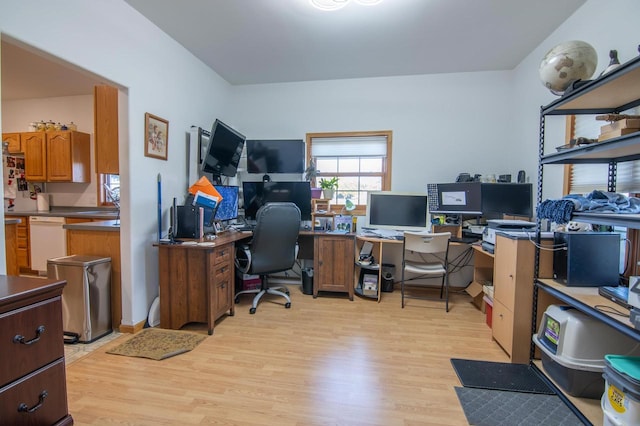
(325, 361)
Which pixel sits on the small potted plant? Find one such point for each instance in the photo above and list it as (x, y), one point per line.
(310, 174)
(328, 187)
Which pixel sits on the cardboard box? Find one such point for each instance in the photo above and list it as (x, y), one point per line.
(475, 290)
(627, 123)
(615, 134)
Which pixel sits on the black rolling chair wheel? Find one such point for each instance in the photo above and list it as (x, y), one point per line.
(287, 305)
(237, 300)
(252, 311)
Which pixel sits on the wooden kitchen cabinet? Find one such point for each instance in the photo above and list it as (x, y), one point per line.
(24, 252)
(15, 144)
(106, 129)
(59, 156)
(333, 264)
(514, 263)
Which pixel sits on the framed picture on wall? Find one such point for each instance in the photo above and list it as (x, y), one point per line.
(156, 136)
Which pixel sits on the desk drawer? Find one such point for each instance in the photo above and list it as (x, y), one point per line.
(40, 326)
(222, 254)
(43, 393)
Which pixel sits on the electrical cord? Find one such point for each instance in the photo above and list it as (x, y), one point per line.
(610, 310)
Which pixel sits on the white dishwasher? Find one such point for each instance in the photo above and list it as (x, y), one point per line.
(47, 239)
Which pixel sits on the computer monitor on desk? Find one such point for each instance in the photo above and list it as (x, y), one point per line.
(227, 209)
(396, 211)
(257, 194)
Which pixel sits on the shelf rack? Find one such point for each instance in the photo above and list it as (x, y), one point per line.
(614, 92)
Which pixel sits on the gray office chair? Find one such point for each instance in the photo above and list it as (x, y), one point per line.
(426, 255)
(273, 248)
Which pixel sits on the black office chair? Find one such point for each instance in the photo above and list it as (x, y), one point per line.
(273, 248)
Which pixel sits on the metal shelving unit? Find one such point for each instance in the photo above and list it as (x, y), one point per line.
(614, 92)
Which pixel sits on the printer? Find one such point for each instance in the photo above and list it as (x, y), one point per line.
(503, 225)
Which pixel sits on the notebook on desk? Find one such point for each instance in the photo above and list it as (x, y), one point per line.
(617, 294)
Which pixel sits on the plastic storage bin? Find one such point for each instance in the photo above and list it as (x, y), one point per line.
(621, 398)
(573, 347)
(86, 299)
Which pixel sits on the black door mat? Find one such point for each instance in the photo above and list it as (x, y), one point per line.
(485, 407)
(499, 376)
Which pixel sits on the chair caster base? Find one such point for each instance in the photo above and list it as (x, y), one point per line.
(252, 311)
(287, 305)
(237, 300)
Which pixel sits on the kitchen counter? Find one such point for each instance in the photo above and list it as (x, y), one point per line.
(86, 212)
(105, 225)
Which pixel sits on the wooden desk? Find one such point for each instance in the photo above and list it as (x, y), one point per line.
(197, 281)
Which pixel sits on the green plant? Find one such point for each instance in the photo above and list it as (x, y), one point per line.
(311, 171)
(329, 183)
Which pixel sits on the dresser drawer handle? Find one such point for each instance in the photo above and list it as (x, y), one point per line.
(24, 408)
(20, 339)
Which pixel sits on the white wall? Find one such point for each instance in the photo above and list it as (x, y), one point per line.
(157, 75)
(604, 25)
(442, 124)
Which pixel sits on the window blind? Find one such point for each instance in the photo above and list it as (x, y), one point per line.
(357, 146)
(586, 177)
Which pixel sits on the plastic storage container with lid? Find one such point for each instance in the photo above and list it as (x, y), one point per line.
(573, 346)
(621, 398)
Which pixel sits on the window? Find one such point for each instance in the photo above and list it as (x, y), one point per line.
(360, 160)
(113, 183)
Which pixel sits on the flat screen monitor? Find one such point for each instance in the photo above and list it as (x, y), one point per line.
(455, 197)
(397, 211)
(223, 150)
(275, 156)
(257, 194)
(514, 199)
(227, 208)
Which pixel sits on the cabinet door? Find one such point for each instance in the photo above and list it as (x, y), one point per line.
(106, 129)
(35, 156)
(15, 146)
(59, 156)
(334, 264)
(24, 257)
(504, 275)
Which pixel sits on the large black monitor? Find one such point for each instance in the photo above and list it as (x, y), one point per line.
(275, 156)
(257, 194)
(397, 211)
(514, 199)
(223, 151)
(478, 198)
(227, 209)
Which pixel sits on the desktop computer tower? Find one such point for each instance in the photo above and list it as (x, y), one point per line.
(586, 259)
(188, 222)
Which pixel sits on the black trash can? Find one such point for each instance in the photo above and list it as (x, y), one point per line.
(388, 270)
(307, 281)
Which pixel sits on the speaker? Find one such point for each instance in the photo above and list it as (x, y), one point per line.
(188, 222)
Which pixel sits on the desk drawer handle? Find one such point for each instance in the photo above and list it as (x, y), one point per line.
(24, 408)
(18, 338)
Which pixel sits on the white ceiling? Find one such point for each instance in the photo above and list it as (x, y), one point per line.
(268, 41)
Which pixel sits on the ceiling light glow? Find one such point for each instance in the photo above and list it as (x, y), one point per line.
(331, 5)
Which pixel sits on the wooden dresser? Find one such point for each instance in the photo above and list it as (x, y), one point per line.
(33, 388)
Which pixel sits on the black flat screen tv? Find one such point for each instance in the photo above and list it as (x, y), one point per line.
(257, 194)
(275, 156)
(223, 150)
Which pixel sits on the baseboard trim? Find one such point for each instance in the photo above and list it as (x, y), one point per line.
(132, 329)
